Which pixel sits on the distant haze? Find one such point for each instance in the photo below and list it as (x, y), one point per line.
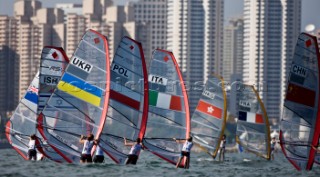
(310, 9)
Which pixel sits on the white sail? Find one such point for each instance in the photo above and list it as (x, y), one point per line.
(300, 122)
(209, 119)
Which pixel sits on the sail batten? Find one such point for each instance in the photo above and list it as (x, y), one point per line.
(300, 123)
(127, 112)
(79, 104)
(168, 116)
(209, 118)
(23, 122)
(253, 129)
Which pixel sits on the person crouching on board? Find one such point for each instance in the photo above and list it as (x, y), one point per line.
(222, 148)
(32, 153)
(87, 147)
(99, 157)
(185, 152)
(134, 151)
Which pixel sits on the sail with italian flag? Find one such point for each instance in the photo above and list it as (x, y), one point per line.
(164, 101)
(300, 121)
(253, 129)
(208, 121)
(168, 108)
(128, 105)
(209, 118)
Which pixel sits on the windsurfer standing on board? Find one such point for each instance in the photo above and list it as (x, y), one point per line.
(32, 153)
(134, 151)
(99, 157)
(273, 145)
(185, 152)
(87, 147)
(222, 149)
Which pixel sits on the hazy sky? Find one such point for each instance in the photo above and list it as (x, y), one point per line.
(310, 8)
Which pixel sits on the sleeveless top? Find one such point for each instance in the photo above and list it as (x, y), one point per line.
(273, 144)
(187, 146)
(32, 144)
(135, 149)
(87, 147)
(223, 144)
(99, 151)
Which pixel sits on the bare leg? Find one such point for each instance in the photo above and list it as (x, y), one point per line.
(179, 161)
(223, 151)
(187, 162)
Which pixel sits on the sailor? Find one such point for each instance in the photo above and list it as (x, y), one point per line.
(273, 145)
(185, 152)
(87, 147)
(317, 148)
(134, 151)
(99, 157)
(32, 153)
(222, 148)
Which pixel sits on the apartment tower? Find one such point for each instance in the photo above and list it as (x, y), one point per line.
(194, 35)
(271, 29)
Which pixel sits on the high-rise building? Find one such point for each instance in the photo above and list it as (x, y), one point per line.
(69, 8)
(36, 28)
(153, 16)
(93, 17)
(9, 65)
(232, 61)
(26, 36)
(233, 49)
(291, 22)
(194, 35)
(75, 28)
(119, 22)
(271, 29)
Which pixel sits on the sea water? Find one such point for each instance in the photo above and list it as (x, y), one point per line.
(242, 165)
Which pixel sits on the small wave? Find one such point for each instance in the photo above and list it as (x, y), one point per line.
(205, 159)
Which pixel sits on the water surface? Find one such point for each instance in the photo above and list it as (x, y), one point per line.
(11, 164)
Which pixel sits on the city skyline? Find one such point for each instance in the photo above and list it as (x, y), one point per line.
(233, 8)
(193, 30)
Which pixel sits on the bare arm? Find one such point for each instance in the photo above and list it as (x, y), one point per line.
(315, 148)
(82, 139)
(96, 142)
(180, 140)
(127, 143)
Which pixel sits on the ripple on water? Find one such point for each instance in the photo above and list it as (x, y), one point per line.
(150, 165)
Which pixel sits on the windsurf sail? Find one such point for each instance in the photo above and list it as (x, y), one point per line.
(52, 65)
(300, 122)
(253, 129)
(209, 119)
(128, 105)
(168, 108)
(79, 104)
(22, 123)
